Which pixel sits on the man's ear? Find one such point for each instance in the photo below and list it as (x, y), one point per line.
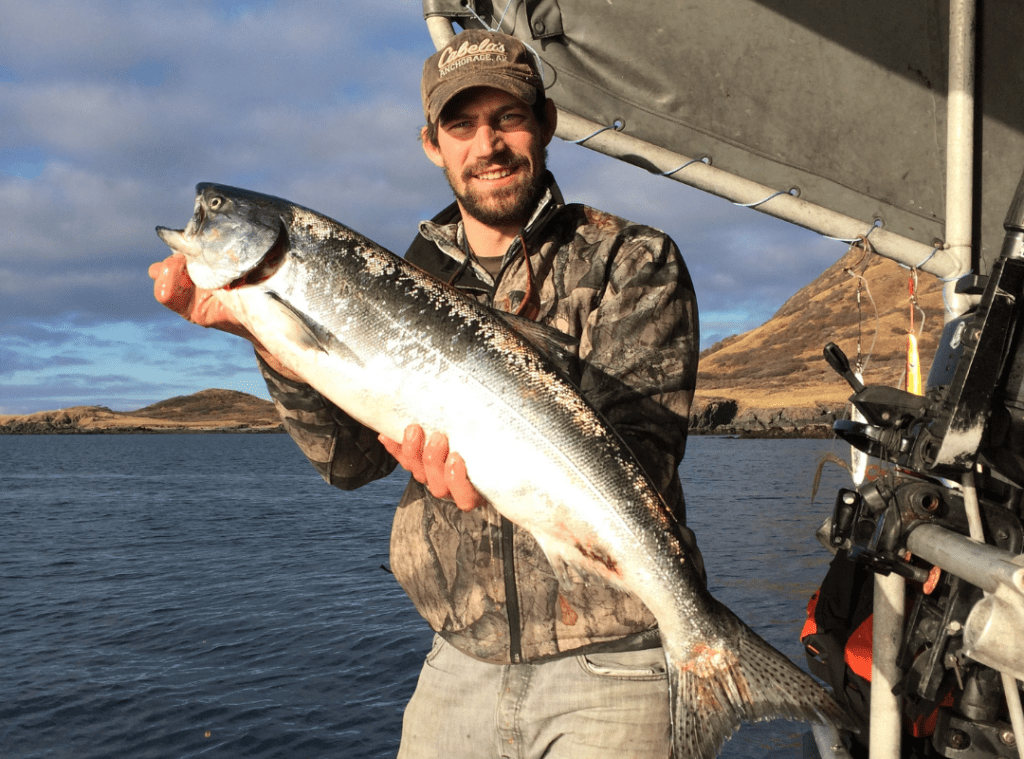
(431, 150)
(551, 121)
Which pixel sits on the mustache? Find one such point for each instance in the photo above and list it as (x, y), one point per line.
(510, 162)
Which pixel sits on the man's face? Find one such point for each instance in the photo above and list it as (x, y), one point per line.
(492, 151)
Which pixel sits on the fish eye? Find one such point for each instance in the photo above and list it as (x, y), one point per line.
(216, 202)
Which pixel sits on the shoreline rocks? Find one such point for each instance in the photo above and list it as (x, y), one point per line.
(212, 412)
(725, 416)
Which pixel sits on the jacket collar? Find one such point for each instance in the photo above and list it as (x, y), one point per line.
(450, 237)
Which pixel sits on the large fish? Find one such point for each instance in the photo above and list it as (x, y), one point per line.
(393, 346)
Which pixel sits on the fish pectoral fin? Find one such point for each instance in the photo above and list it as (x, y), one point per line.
(572, 562)
(302, 330)
(560, 567)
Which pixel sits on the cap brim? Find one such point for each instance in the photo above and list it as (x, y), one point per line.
(510, 84)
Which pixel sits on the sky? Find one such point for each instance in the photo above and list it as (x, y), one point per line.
(111, 113)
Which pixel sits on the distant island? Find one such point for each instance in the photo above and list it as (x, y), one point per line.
(769, 382)
(206, 411)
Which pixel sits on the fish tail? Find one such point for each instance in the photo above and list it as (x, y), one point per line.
(713, 692)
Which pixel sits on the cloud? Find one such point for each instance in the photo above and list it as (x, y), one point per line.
(121, 365)
(305, 100)
(113, 111)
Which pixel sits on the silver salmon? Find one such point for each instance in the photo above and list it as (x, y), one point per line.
(393, 346)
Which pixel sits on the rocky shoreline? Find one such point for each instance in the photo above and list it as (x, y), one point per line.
(223, 411)
(98, 420)
(44, 429)
(208, 411)
(771, 382)
(725, 416)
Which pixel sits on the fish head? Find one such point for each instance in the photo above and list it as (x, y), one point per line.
(231, 231)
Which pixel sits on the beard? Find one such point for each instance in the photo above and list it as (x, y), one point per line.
(509, 205)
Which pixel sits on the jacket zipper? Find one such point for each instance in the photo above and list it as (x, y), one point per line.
(515, 643)
(515, 636)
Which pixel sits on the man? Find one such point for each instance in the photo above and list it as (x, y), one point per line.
(520, 666)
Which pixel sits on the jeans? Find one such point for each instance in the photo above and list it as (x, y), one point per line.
(592, 706)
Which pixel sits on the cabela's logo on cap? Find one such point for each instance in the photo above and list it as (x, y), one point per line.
(485, 51)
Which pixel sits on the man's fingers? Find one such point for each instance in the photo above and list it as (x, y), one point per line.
(391, 446)
(432, 464)
(435, 453)
(412, 452)
(172, 287)
(174, 262)
(465, 495)
(408, 453)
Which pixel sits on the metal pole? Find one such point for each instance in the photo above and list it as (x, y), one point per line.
(960, 146)
(889, 591)
(887, 630)
(1016, 710)
(980, 564)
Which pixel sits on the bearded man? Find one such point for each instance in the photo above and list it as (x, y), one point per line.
(520, 667)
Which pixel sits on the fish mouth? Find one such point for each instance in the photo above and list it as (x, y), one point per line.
(175, 240)
(183, 240)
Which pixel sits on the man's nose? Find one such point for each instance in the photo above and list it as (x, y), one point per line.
(488, 140)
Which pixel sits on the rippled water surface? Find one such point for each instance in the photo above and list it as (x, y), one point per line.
(209, 595)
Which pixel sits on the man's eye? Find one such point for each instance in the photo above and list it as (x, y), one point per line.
(458, 127)
(512, 119)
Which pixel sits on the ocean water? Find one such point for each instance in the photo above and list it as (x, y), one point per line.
(170, 596)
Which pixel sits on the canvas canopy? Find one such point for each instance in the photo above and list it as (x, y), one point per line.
(840, 106)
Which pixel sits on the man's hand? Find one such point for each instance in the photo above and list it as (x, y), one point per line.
(173, 287)
(432, 464)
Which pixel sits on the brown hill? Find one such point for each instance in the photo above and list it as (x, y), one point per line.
(775, 375)
(211, 410)
(214, 407)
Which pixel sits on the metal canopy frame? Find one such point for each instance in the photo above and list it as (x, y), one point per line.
(949, 262)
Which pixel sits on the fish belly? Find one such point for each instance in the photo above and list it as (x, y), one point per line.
(534, 472)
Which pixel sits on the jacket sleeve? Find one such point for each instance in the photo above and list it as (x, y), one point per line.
(344, 452)
(640, 348)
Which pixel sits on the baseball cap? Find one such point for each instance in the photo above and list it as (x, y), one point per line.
(479, 58)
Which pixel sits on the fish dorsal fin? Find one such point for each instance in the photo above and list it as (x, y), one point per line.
(562, 349)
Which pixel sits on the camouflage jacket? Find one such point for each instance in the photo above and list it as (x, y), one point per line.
(624, 292)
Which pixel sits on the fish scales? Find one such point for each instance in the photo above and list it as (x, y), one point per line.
(392, 346)
(472, 353)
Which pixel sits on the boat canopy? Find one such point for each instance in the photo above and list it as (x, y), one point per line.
(832, 114)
